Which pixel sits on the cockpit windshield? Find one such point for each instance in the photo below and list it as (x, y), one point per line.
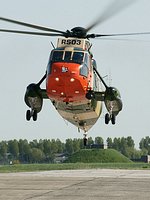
(67, 56)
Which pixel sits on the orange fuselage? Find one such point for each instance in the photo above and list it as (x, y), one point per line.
(65, 83)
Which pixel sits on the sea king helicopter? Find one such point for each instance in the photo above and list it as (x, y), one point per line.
(73, 84)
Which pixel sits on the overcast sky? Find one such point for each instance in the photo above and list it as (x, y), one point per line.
(23, 60)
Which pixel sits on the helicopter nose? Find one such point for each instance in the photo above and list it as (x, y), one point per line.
(65, 83)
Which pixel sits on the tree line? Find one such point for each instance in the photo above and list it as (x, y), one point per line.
(46, 150)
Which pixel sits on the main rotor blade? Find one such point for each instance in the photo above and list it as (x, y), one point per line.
(31, 33)
(114, 8)
(119, 34)
(31, 25)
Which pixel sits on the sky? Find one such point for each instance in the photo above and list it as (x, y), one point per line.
(126, 60)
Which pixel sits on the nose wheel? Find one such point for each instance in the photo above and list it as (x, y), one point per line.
(31, 114)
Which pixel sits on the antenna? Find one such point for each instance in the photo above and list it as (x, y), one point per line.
(52, 45)
(109, 78)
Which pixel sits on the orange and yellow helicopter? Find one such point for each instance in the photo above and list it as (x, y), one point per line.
(73, 83)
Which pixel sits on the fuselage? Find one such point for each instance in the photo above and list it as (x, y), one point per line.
(69, 76)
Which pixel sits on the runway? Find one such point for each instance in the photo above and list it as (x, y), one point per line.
(94, 184)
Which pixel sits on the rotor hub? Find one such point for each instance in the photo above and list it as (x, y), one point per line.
(78, 32)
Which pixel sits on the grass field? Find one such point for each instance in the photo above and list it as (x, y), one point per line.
(83, 159)
(69, 166)
(98, 156)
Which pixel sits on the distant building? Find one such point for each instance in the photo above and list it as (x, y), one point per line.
(97, 146)
(60, 157)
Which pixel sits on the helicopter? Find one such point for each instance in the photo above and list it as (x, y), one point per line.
(73, 84)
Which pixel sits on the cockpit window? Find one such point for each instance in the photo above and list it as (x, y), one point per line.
(67, 56)
(57, 56)
(78, 57)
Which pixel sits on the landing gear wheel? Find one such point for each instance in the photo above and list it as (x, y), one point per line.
(107, 118)
(34, 115)
(28, 115)
(113, 119)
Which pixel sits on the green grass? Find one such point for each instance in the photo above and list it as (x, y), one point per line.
(98, 156)
(71, 166)
(84, 159)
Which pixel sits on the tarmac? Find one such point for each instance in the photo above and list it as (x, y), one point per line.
(93, 184)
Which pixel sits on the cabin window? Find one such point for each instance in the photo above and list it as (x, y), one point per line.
(84, 69)
(49, 66)
(94, 64)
